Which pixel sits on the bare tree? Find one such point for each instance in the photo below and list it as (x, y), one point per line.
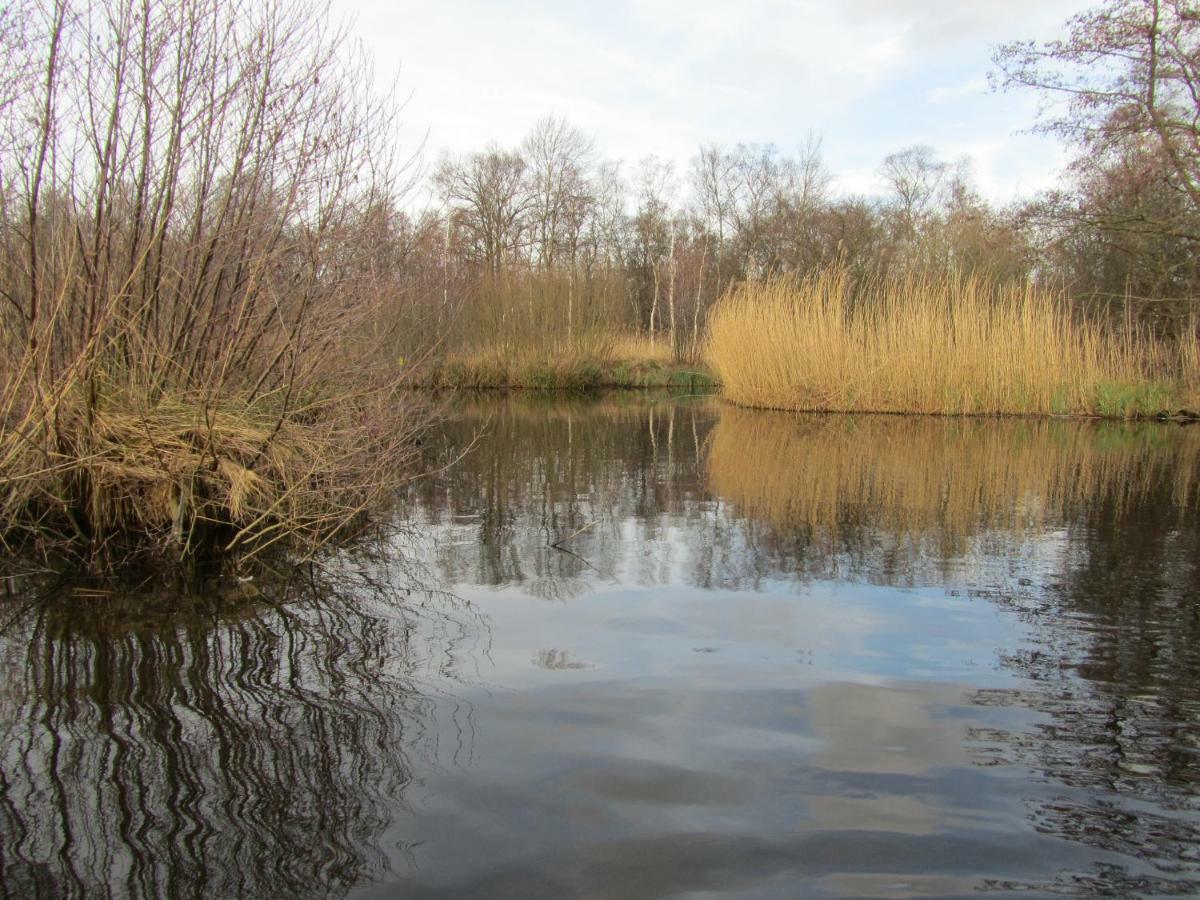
(915, 177)
(714, 181)
(808, 177)
(558, 157)
(1127, 79)
(758, 180)
(1123, 86)
(492, 202)
(653, 230)
(604, 229)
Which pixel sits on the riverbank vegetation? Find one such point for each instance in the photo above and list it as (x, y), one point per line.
(605, 359)
(533, 253)
(194, 321)
(940, 344)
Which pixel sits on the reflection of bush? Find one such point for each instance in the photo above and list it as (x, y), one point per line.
(748, 495)
(251, 747)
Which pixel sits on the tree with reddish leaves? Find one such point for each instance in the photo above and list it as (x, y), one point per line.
(1125, 81)
(1123, 86)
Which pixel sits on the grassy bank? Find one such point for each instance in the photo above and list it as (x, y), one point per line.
(603, 361)
(945, 344)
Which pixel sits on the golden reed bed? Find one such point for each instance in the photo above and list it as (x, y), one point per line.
(937, 344)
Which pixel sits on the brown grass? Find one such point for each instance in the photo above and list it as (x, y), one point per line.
(935, 344)
(603, 358)
(638, 346)
(126, 470)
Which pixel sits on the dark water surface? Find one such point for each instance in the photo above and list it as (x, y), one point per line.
(642, 649)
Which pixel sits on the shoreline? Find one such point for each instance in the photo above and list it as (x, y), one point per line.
(705, 383)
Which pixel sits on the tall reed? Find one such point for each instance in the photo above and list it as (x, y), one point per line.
(935, 344)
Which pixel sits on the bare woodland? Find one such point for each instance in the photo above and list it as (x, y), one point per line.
(654, 246)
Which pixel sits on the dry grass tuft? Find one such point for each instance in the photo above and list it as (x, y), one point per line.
(935, 344)
(127, 472)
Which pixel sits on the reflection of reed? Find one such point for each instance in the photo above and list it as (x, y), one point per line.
(737, 496)
(252, 754)
(1115, 636)
(947, 480)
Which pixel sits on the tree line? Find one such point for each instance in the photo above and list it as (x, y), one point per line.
(198, 192)
(653, 245)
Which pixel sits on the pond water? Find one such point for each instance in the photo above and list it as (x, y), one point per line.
(644, 648)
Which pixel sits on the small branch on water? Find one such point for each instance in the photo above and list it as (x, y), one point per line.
(557, 545)
(573, 534)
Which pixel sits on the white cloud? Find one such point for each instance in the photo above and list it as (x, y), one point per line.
(662, 76)
(977, 84)
(858, 182)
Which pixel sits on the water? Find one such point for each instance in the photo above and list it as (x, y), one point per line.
(640, 649)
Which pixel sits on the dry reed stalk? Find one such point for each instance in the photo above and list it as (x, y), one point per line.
(933, 344)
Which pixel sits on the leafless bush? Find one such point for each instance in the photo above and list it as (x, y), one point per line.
(192, 310)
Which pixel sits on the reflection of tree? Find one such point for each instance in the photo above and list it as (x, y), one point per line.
(544, 472)
(732, 499)
(722, 498)
(556, 660)
(1116, 672)
(251, 746)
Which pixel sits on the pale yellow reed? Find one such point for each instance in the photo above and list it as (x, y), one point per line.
(935, 344)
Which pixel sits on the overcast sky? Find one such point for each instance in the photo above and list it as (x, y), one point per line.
(867, 76)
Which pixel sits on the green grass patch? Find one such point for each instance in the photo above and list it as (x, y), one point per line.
(1130, 400)
(568, 375)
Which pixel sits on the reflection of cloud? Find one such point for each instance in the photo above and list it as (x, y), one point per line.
(878, 746)
(555, 660)
(868, 728)
(625, 793)
(656, 784)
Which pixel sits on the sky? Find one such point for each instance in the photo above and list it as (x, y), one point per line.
(867, 77)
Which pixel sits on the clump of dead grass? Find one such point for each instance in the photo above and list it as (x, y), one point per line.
(98, 478)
